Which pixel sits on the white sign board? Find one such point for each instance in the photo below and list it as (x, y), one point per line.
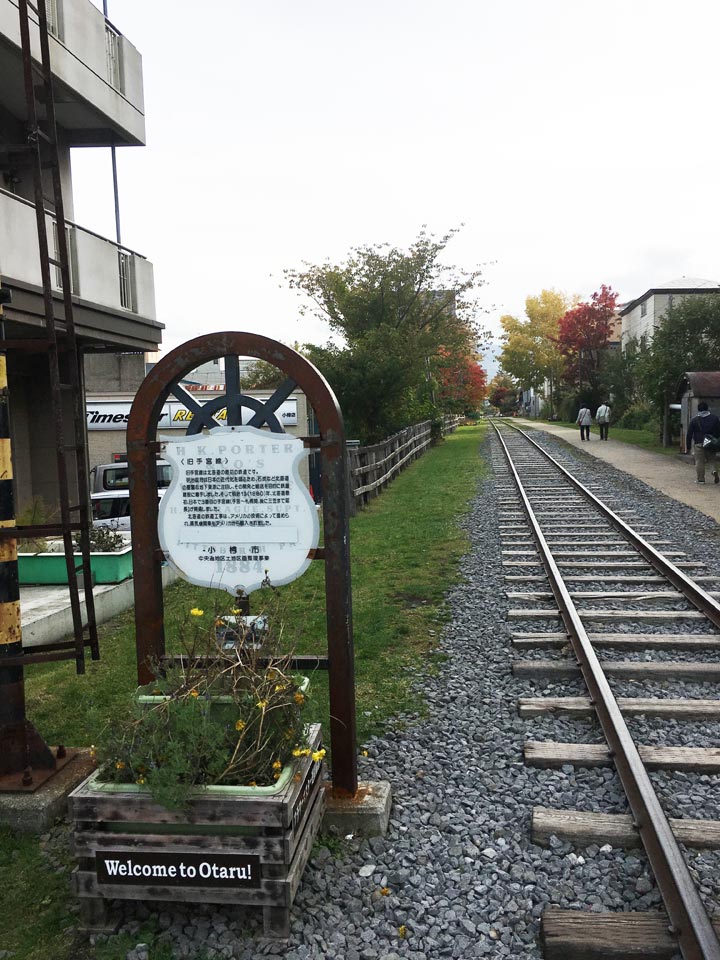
(236, 513)
(113, 415)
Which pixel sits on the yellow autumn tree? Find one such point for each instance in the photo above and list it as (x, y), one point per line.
(530, 350)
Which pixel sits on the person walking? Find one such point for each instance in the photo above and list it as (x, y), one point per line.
(584, 419)
(603, 419)
(702, 429)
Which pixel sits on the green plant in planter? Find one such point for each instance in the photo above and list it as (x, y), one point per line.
(212, 716)
(34, 514)
(104, 540)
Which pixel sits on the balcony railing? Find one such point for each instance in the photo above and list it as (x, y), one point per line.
(101, 272)
(113, 57)
(98, 68)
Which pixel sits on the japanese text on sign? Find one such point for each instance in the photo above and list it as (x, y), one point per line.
(236, 513)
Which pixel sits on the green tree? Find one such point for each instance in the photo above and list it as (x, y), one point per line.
(621, 377)
(687, 338)
(263, 376)
(530, 349)
(399, 315)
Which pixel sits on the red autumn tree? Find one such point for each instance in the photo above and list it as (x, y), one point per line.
(462, 383)
(503, 393)
(583, 333)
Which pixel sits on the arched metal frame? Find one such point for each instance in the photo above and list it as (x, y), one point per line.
(147, 557)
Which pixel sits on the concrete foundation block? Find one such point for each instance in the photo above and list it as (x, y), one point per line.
(367, 814)
(36, 812)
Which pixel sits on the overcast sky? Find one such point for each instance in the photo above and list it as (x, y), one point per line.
(577, 141)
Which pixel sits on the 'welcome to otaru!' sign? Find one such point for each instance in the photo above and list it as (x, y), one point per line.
(178, 869)
(236, 513)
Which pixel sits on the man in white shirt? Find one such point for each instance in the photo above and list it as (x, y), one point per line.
(603, 419)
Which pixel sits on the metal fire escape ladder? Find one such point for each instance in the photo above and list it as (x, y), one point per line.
(42, 149)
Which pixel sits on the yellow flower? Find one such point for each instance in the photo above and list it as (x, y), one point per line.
(365, 753)
(384, 891)
(402, 931)
(235, 611)
(93, 751)
(140, 780)
(156, 692)
(299, 698)
(120, 765)
(196, 612)
(219, 623)
(240, 725)
(194, 693)
(253, 783)
(279, 687)
(301, 752)
(318, 755)
(261, 704)
(276, 776)
(277, 765)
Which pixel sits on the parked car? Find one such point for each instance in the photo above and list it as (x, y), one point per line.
(116, 476)
(112, 509)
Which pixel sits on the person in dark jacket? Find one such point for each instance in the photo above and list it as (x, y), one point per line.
(705, 424)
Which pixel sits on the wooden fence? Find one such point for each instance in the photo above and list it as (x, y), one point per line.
(372, 468)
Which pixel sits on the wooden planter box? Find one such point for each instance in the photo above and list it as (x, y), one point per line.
(48, 568)
(235, 845)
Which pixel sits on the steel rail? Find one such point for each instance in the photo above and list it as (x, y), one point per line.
(688, 917)
(690, 590)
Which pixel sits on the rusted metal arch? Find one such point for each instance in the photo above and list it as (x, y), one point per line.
(689, 919)
(147, 556)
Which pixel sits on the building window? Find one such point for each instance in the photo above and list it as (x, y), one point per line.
(72, 265)
(643, 308)
(112, 56)
(53, 20)
(126, 271)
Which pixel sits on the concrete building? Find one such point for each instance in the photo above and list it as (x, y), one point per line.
(98, 87)
(641, 316)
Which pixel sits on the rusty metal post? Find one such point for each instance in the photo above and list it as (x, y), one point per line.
(147, 559)
(21, 746)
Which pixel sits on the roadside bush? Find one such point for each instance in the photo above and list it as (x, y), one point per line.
(639, 416)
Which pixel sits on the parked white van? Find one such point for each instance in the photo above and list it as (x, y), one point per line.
(108, 477)
(111, 508)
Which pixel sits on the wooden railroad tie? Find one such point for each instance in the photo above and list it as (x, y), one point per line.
(531, 614)
(548, 753)
(622, 641)
(582, 935)
(583, 828)
(707, 672)
(605, 595)
(672, 709)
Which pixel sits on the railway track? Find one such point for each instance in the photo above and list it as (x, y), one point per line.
(599, 597)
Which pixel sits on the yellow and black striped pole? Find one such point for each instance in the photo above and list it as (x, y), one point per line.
(21, 748)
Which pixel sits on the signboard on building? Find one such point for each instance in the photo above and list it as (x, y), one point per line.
(113, 415)
(236, 514)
